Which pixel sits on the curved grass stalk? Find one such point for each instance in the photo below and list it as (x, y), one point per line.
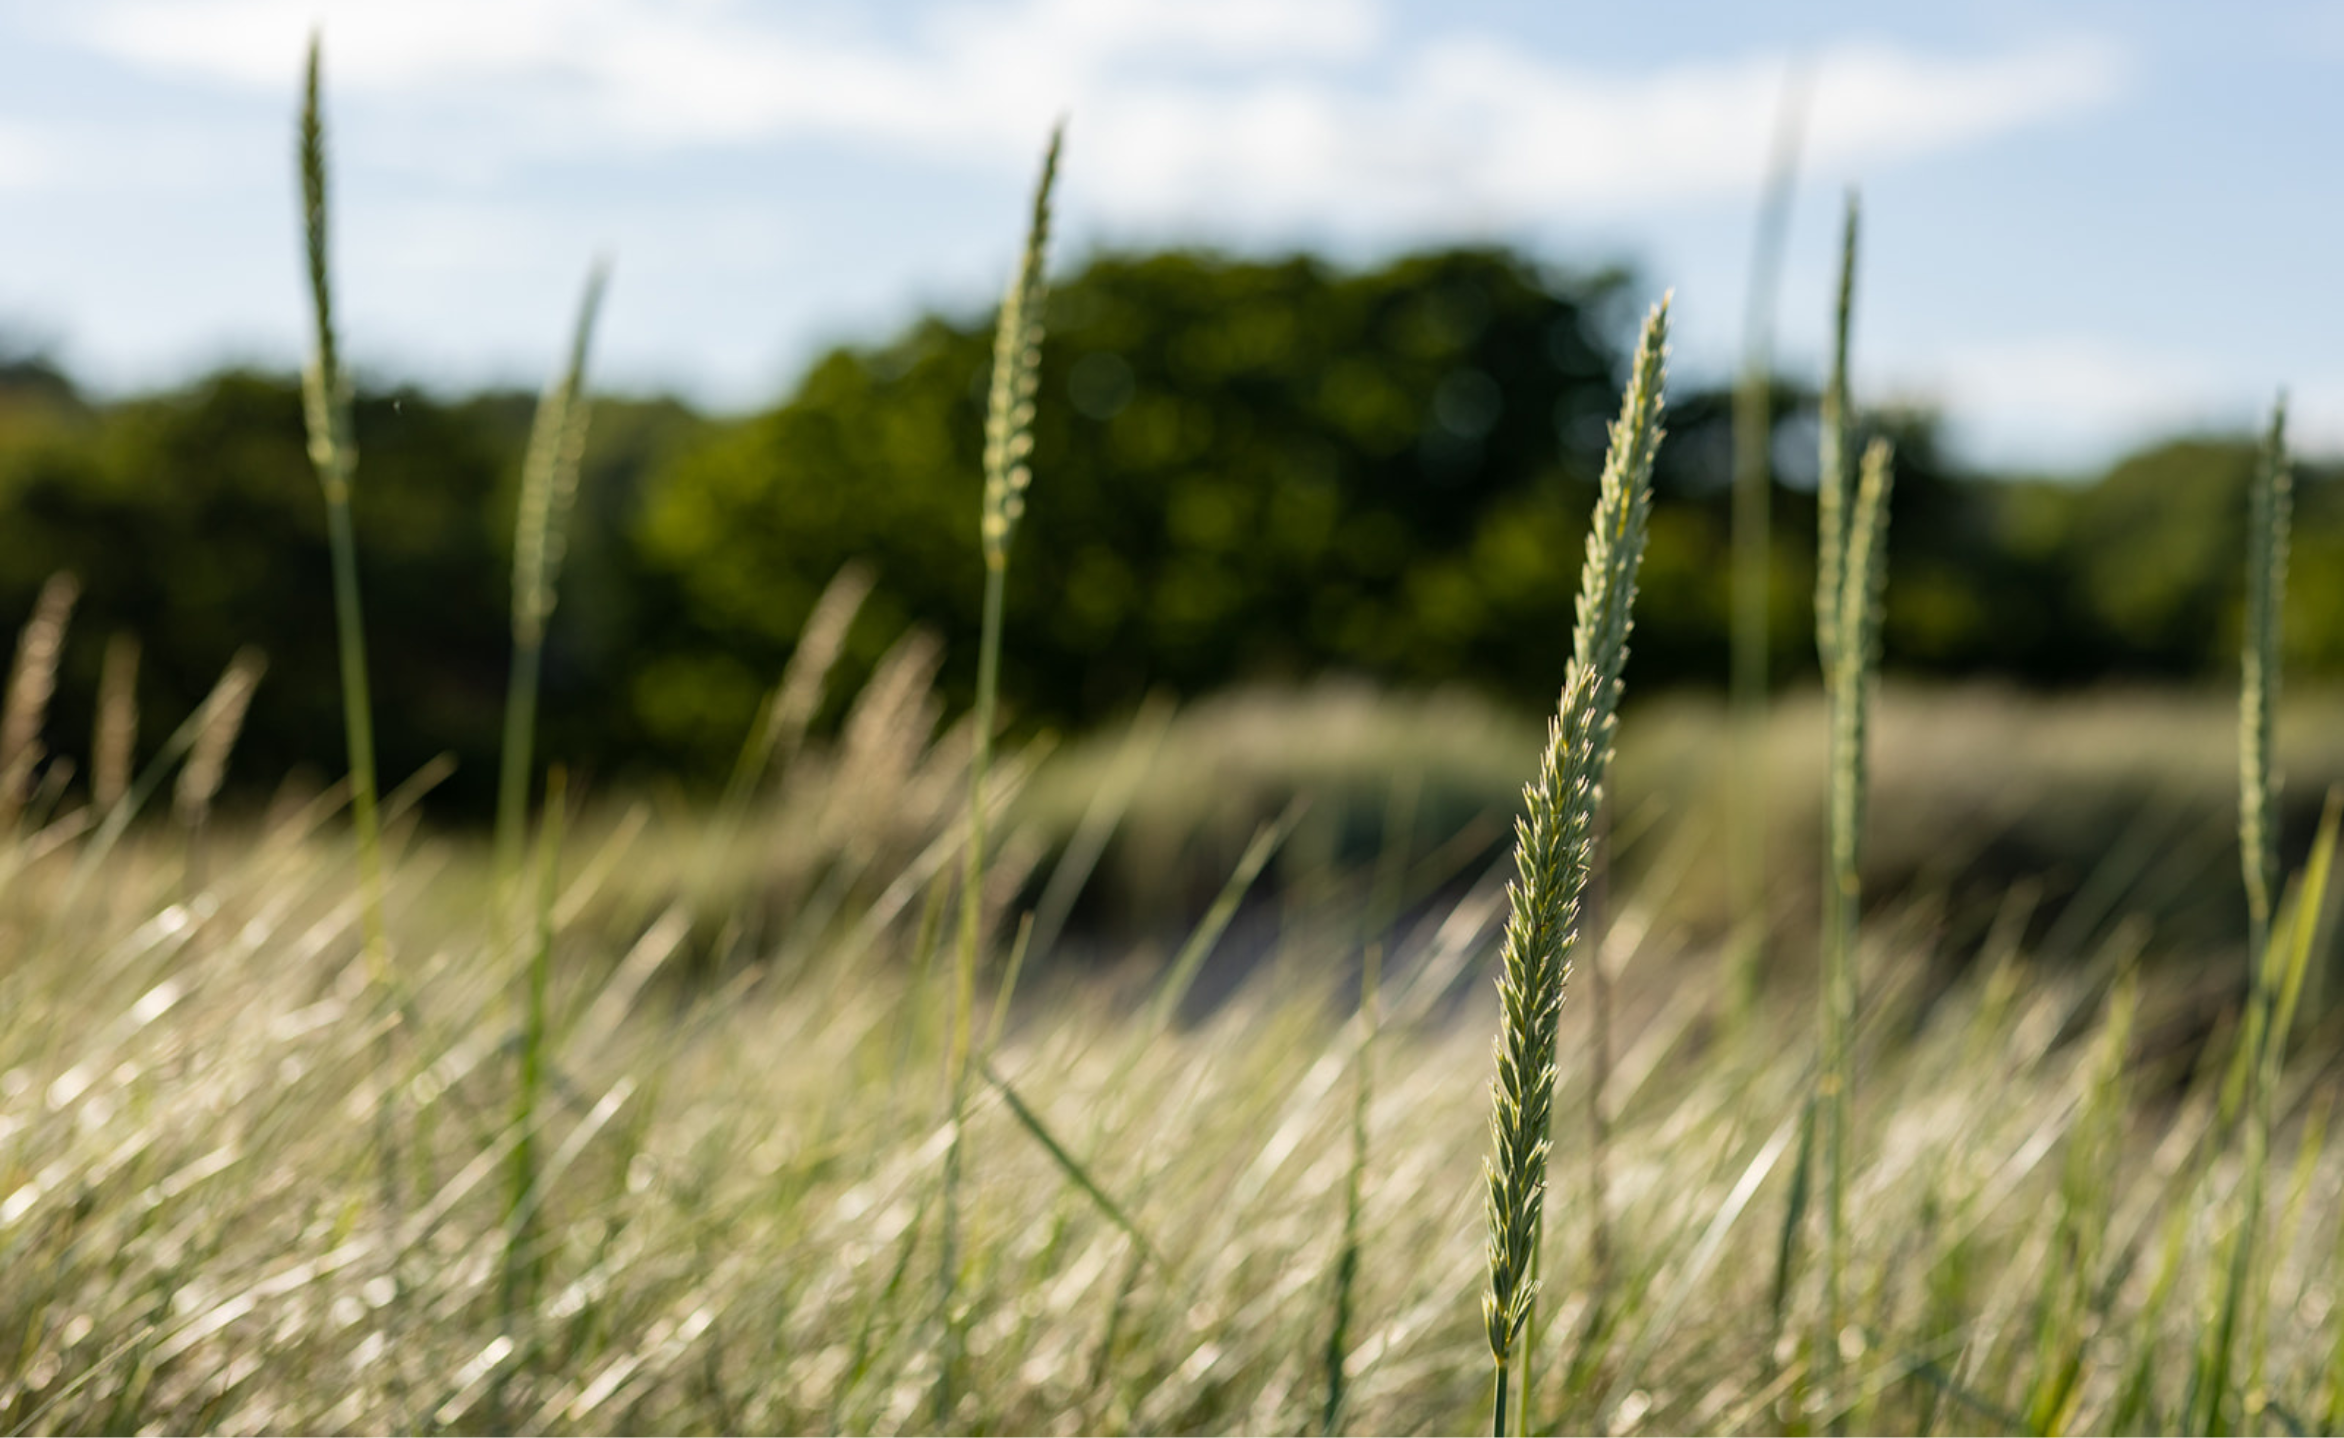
(1856, 655)
(1834, 488)
(1009, 445)
(333, 451)
(549, 485)
(1753, 488)
(2211, 1407)
(1551, 852)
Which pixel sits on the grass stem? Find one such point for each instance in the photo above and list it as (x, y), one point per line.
(1753, 487)
(1009, 443)
(333, 451)
(549, 486)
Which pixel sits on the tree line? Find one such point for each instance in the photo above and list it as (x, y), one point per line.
(1244, 470)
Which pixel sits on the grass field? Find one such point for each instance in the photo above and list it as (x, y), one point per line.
(240, 1189)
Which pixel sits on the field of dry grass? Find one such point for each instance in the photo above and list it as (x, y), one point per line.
(242, 1188)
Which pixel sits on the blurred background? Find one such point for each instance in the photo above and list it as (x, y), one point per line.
(1343, 291)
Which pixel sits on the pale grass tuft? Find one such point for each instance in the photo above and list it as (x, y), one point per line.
(806, 678)
(218, 723)
(882, 740)
(114, 745)
(30, 686)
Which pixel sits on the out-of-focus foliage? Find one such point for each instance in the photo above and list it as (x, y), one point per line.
(193, 519)
(1245, 471)
(1241, 470)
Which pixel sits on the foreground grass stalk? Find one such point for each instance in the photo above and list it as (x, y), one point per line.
(520, 1269)
(549, 485)
(1009, 445)
(2269, 502)
(1856, 652)
(1354, 1195)
(1551, 854)
(1753, 552)
(334, 453)
(2094, 1145)
(521, 1273)
(1833, 493)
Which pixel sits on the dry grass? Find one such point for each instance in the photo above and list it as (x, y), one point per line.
(741, 1167)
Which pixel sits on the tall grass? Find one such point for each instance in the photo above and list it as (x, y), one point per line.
(114, 740)
(333, 451)
(218, 723)
(1850, 567)
(521, 1271)
(1551, 856)
(1856, 651)
(2215, 1406)
(1009, 445)
(32, 682)
(1753, 546)
(549, 486)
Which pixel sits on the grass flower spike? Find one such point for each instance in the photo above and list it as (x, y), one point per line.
(1551, 851)
(549, 486)
(325, 392)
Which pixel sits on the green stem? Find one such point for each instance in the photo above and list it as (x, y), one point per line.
(973, 868)
(357, 716)
(1753, 482)
(512, 804)
(964, 989)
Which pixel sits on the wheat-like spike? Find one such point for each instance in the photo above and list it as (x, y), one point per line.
(326, 396)
(325, 390)
(549, 485)
(1832, 476)
(30, 687)
(114, 744)
(1859, 652)
(2269, 501)
(549, 475)
(222, 719)
(1551, 844)
(1017, 361)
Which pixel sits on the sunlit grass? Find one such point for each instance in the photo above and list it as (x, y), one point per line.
(738, 1173)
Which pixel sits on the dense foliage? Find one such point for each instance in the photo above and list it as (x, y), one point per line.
(1244, 470)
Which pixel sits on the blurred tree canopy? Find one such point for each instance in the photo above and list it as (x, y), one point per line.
(1244, 470)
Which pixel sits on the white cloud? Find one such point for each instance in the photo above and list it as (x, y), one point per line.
(1266, 115)
(24, 161)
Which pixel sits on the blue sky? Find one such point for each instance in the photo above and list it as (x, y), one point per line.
(2088, 224)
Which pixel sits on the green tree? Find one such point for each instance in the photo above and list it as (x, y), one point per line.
(1253, 469)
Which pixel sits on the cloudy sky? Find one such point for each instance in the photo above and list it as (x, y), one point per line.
(2087, 223)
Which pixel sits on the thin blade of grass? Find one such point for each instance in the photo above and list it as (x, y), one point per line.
(1071, 1166)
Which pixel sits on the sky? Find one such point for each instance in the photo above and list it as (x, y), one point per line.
(2086, 225)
